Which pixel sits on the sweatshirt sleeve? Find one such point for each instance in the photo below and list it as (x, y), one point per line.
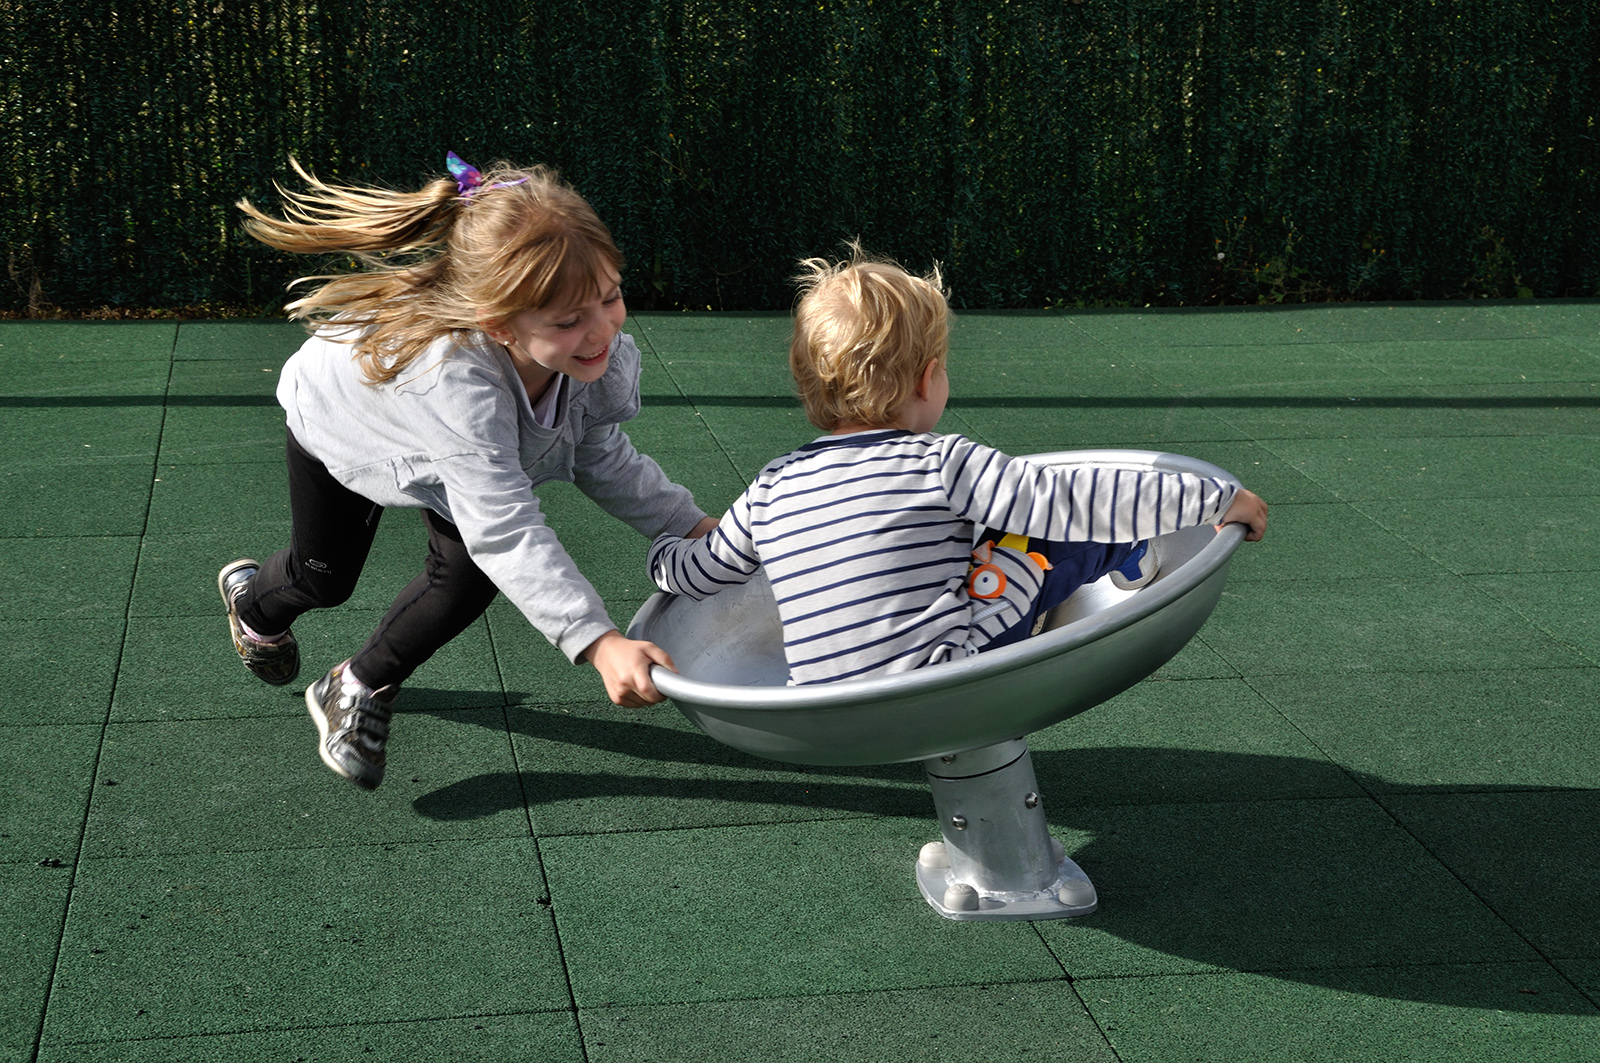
(631, 486)
(699, 568)
(1091, 503)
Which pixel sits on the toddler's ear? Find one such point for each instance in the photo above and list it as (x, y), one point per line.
(925, 381)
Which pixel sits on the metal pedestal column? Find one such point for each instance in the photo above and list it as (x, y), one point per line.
(997, 860)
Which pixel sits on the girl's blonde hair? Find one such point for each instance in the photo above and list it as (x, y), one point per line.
(864, 330)
(438, 261)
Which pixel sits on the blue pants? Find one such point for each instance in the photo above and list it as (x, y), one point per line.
(1072, 565)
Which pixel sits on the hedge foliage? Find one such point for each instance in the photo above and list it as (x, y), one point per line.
(1046, 152)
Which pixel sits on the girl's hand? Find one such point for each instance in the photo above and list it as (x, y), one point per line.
(1248, 509)
(624, 666)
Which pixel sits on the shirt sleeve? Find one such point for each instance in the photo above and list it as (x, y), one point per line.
(1090, 503)
(631, 486)
(699, 568)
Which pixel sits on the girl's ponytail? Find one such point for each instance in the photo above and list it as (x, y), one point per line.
(438, 260)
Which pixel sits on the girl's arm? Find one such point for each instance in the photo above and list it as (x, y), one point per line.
(1079, 504)
(700, 567)
(631, 486)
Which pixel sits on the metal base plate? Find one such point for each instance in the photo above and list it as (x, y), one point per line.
(1071, 894)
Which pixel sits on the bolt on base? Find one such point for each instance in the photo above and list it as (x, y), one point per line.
(1071, 894)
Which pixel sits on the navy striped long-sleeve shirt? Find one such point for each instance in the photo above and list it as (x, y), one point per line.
(867, 539)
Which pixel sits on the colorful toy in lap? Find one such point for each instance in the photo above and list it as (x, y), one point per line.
(480, 355)
(890, 547)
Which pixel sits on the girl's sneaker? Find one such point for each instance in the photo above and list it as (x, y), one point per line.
(1142, 566)
(276, 662)
(353, 727)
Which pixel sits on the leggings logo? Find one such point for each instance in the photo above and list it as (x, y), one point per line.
(313, 563)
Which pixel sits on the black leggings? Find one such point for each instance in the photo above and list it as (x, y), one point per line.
(333, 531)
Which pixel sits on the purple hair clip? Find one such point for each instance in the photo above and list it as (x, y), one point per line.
(468, 179)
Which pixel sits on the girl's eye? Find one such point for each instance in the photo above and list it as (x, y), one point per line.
(564, 325)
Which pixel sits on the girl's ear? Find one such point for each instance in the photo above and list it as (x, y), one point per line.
(925, 380)
(494, 331)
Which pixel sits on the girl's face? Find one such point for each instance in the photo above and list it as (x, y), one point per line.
(574, 340)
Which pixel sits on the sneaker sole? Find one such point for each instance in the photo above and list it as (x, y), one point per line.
(321, 720)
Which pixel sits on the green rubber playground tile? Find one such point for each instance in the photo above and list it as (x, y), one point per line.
(1577, 318)
(1311, 542)
(1016, 1021)
(536, 673)
(1196, 661)
(1530, 857)
(178, 573)
(550, 1037)
(1265, 886)
(1194, 327)
(1361, 412)
(609, 554)
(1460, 731)
(45, 777)
(987, 377)
(1420, 623)
(707, 914)
(1565, 606)
(1402, 469)
(67, 579)
(122, 385)
(752, 437)
(1559, 408)
(1421, 1014)
(595, 768)
(1381, 323)
(70, 436)
(58, 671)
(1314, 370)
(1583, 973)
(222, 412)
(185, 668)
(102, 343)
(269, 342)
(1261, 470)
(83, 499)
(1042, 331)
(192, 498)
(32, 900)
(1164, 742)
(172, 946)
(259, 784)
(1483, 362)
(1137, 422)
(669, 334)
(1554, 535)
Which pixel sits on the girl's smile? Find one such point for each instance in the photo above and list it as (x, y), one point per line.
(573, 340)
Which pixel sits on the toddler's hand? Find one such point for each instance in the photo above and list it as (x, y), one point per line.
(1248, 509)
(624, 666)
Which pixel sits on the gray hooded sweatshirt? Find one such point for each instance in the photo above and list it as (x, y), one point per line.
(455, 433)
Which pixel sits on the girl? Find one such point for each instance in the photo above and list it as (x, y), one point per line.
(479, 355)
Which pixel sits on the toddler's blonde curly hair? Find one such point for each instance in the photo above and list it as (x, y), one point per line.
(864, 331)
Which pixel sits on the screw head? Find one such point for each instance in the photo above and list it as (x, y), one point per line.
(1030, 800)
(958, 822)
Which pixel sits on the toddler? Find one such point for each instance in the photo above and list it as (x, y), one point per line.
(867, 534)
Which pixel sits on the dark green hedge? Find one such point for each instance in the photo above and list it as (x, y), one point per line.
(1044, 152)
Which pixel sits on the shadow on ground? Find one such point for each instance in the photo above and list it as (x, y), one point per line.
(1284, 866)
